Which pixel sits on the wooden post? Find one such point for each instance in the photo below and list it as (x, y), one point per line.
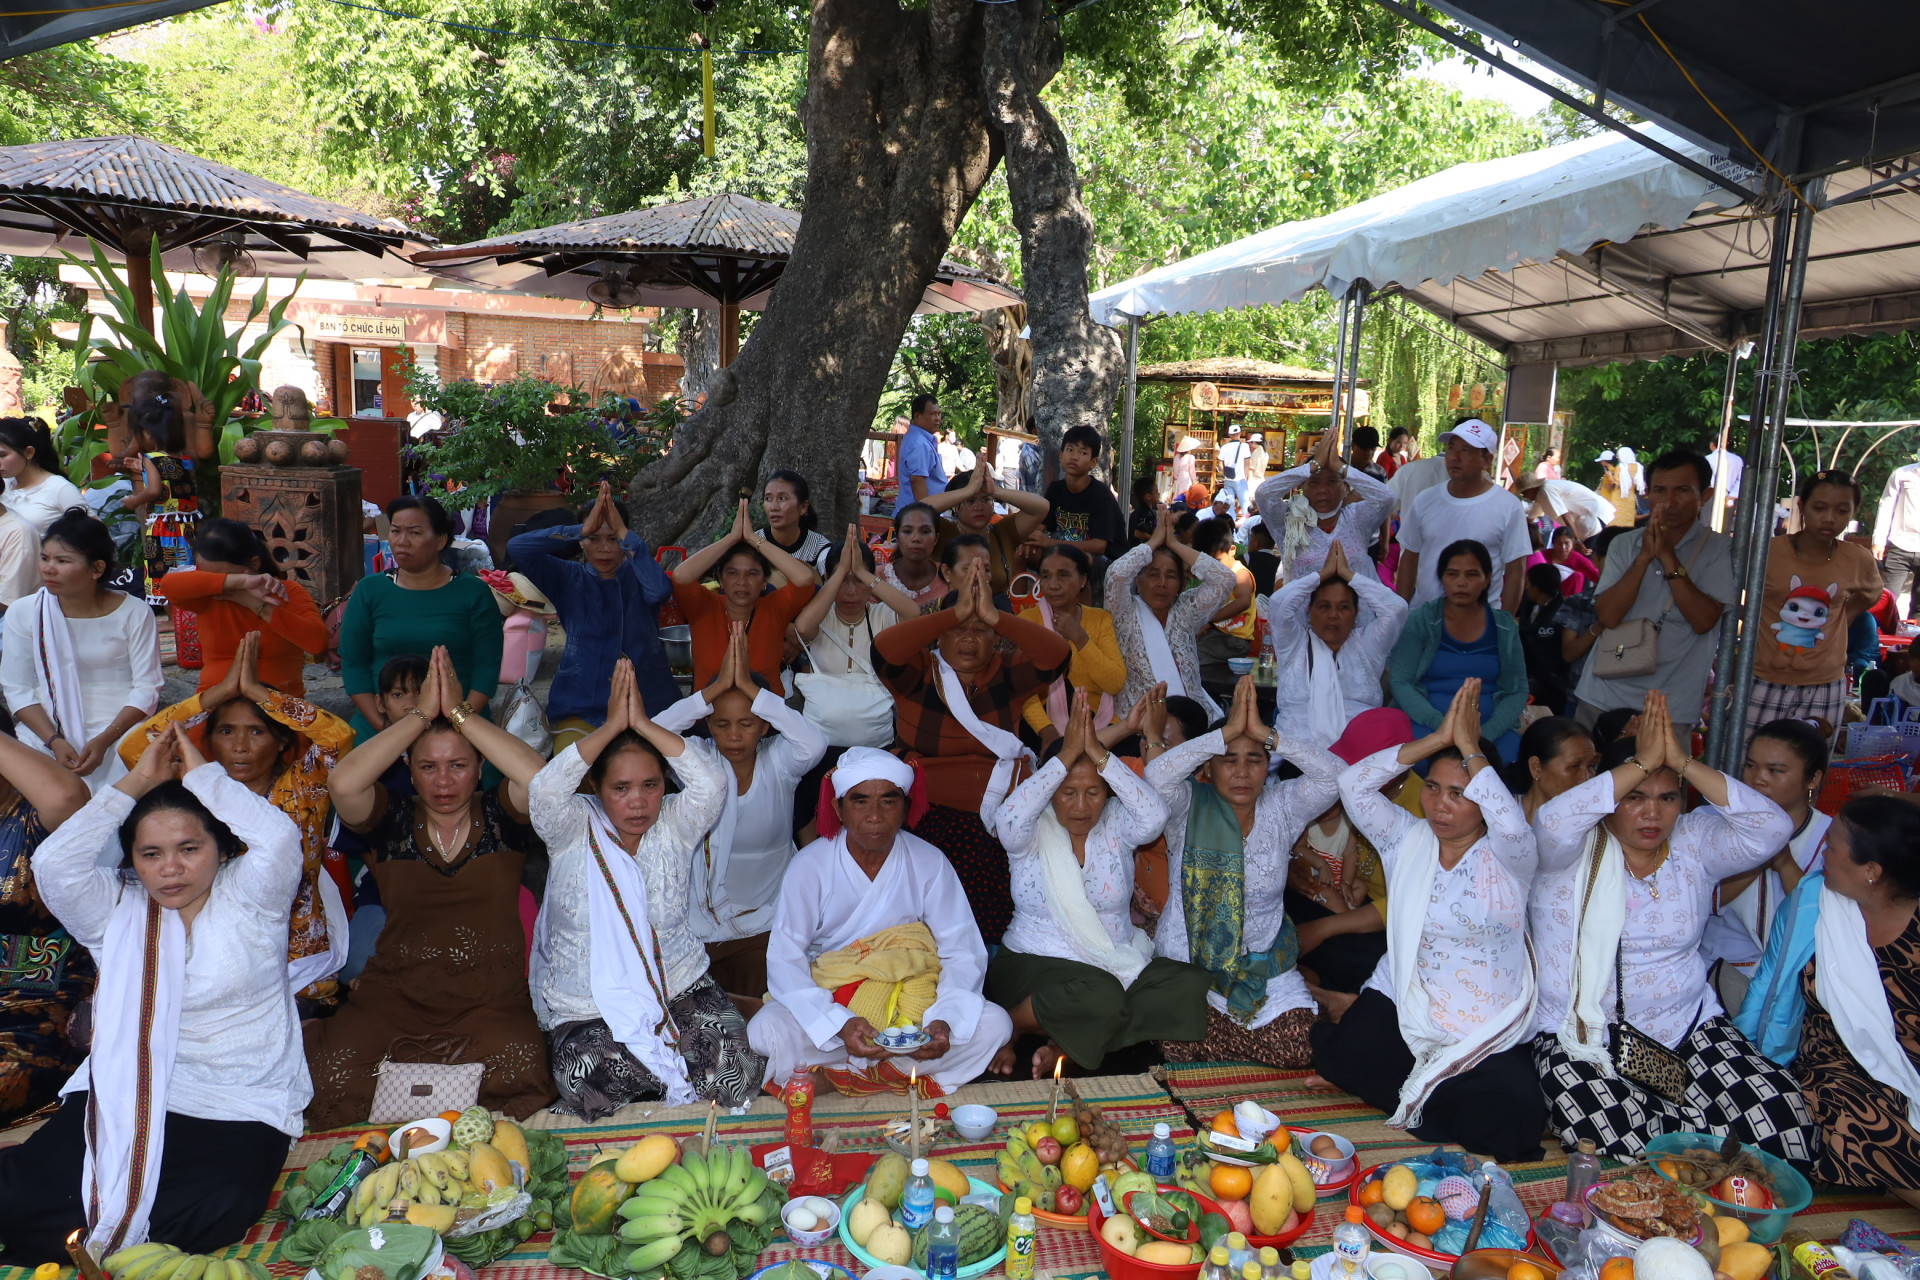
(140, 283)
(729, 334)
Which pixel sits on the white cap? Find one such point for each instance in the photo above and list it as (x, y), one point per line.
(1161, 1131)
(1257, 436)
(943, 1214)
(1234, 430)
(1476, 433)
(920, 1168)
(1606, 455)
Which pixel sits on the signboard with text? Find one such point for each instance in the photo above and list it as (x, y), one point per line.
(362, 328)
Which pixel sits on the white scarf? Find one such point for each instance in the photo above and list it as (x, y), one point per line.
(1064, 883)
(1159, 652)
(1060, 692)
(1596, 950)
(624, 970)
(1847, 980)
(136, 1011)
(1327, 715)
(1436, 1055)
(1006, 747)
(56, 674)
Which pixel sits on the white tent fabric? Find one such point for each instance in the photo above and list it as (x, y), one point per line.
(1490, 215)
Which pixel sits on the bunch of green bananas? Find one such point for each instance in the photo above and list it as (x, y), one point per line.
(154, 1261)
(690, 1201)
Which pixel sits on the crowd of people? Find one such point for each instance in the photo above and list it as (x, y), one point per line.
(1005, 778)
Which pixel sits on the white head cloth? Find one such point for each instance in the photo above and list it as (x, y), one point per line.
(870, 764)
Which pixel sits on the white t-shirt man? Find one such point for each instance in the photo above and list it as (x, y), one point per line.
(1235, 453)
(1728, 467)
(1495, 519)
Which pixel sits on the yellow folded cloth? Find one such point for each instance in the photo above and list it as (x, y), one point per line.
(895, 975)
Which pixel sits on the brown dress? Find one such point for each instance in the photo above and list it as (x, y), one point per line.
(1865, 1138)
(450, 963)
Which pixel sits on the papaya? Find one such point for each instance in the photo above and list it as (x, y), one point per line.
(596, 1200)
(488, 1169)
(510, 1141)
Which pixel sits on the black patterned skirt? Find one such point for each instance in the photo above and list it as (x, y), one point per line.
(978, 860)
(596, 1075)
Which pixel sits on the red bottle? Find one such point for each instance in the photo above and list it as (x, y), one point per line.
(799, 1099)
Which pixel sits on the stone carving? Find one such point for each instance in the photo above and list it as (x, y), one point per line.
(309, 518)
(290, 410)
(290, 448)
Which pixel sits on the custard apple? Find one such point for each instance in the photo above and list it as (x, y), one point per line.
(474, 1125)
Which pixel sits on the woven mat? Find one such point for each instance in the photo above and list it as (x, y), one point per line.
(1135, 1103)
(1205, 1088)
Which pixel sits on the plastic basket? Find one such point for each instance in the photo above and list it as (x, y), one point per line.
(1845, 777)
(1791, 1191)
(1866, 741)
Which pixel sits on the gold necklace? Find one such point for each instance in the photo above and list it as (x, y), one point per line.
(1794, 540)
(1646, 881)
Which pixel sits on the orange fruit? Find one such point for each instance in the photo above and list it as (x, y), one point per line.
(1522, 1270)
(1230, 1182)
(1617, 1269)
(1425, 1215)
(1372, 1192)
(1223, 1123)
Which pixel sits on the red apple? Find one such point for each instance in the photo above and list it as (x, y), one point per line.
(1068, 1199)
(1744, 1192)
(1049, 1151)
(1239, 1215)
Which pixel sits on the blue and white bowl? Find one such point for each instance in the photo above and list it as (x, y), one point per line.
(902, 1039)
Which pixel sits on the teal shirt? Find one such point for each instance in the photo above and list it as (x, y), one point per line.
(1413, 653)
(385, 621)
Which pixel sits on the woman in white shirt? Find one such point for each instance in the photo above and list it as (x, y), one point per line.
(1072, 967)
(619, 978)
(1625, 886)
(189, 923)
(1332, 633)
(81, 664)
(845, 700)
(1230, 833)
(1438, 1035)
(1335, 504)
(1158, 618)
(765, 748)
(36, 491)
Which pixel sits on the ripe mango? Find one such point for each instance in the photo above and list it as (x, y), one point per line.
(1746, 1260)
(646, 1159)
(1271, 1200)
(1165, 1253)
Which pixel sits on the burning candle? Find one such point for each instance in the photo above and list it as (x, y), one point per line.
(1053, 1101)
(913, 1116)
(83, 1257)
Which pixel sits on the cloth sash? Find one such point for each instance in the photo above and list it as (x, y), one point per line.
(1756, 907)
(1436, 1054)
(136, 1009)
(1063, 881)
(56, 674)
(1327, 716)
(1296, 533)
(1596, 951)
(1159, 653)
(890, 978)
(1846, 977)
(1007, 749)
(1213, 896)
(625, 970)
(304, 971)
(1060, 692)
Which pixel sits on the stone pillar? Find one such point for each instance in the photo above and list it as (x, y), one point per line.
(309, 516)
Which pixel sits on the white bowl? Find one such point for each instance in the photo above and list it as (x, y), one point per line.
(1323, 1169)
(1257, 1132)
(973, 1121)
(1411, 1268)
(828, 1225)
(441, 1130)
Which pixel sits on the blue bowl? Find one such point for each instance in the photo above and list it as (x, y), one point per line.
(1791, 1192)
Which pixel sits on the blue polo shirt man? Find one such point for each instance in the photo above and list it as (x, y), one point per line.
(920, 472)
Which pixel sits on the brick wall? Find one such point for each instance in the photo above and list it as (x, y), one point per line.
(564, 350)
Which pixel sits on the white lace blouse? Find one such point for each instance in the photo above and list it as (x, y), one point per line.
(1283, 812)
(1358, 523)
(1134, 815)
(1185, 621)
(560, 814)
(1665, 975)
(1474, 944)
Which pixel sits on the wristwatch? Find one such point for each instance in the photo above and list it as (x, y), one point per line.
(1679, 572)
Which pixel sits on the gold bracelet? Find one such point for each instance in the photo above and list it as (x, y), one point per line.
(1154, 746)
(1101, 763)
(1643, 769)
(459, 715)
(415, 711)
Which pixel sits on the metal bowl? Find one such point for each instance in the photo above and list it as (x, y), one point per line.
(678, 642)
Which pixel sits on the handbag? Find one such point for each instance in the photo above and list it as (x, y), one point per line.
(852, 708)
(1637, 1057)
(1633, 647)
(405, 1091)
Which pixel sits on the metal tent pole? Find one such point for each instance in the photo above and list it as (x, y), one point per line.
(1759, 532)
(1339, 361)
(1350, 389)
(1123, 459)
(1735, 354)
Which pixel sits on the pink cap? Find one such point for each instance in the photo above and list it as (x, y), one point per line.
(1373, 731)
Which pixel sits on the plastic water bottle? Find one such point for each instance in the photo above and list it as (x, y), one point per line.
(1022, 1236)
(1250, 1272)
(1504, 1206)
(1270, 1264)
(943, 1247)
(916, 1206)
(1351, 1244)
(1583, 1173)
(1161, 1154)
(1218, 1266)
(1239, 1254)
(1302, 1269)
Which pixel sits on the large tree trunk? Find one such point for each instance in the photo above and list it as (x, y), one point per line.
(699, 349)
(898, 148)
(1077, 364)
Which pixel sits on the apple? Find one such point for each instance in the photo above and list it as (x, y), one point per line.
(1239, 1215)
(1069, 1199)
(1049, 1150)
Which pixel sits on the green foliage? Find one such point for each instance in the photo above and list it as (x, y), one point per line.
(502, 438)
(1410, 360)
(75, 91)
(945, 355)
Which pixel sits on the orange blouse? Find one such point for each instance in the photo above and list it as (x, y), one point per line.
(295, 630)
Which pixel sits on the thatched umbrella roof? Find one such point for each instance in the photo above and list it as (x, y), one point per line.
(1235, 369)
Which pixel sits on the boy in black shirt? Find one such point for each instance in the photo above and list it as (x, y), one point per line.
(1083, 511)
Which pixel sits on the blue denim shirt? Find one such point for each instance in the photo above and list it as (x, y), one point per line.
(604, 619)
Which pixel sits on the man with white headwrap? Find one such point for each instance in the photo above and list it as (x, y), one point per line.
(873, 930)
